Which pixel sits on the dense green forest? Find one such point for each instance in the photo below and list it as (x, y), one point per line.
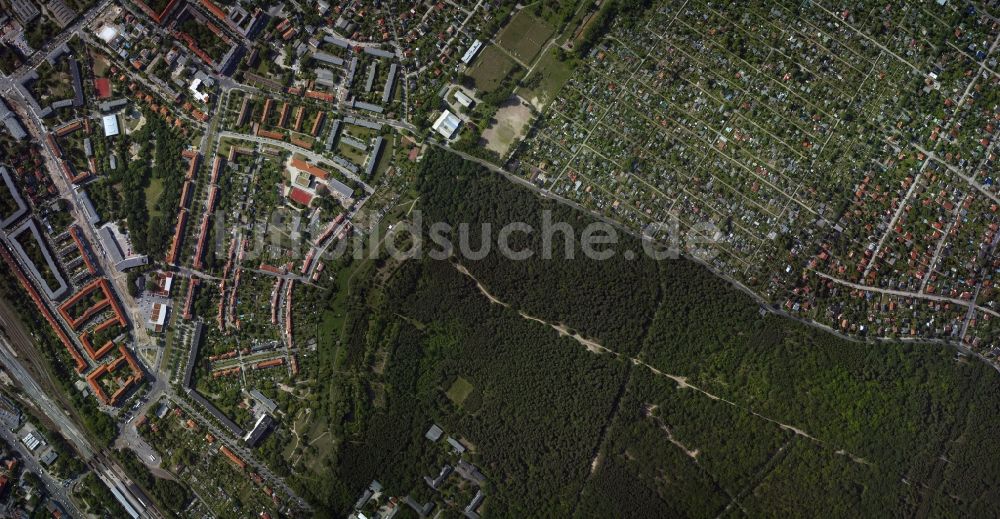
(782, 418)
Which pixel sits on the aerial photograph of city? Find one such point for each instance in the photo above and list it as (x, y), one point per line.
(452, 259)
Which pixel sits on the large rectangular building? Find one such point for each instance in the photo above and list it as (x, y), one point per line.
(372, 71)
(110, 123)
(62, 13)
(361, 105)
(389, 82)
(373, 158)
(332, 136)
(10, 120)
(327, 58)
(260, 431)
(472, 52)
(379, 53)
(24, 10)
(22, 208)
(446, 124)
(340, 189)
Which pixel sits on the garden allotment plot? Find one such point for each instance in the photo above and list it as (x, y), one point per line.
(816, 139)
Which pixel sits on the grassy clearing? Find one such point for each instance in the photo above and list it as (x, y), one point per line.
(351, 153)
(547, 79)
(101, 64)
(153, 193)
(525, 35)
(490, 69)
(460, 390)
(224, 145)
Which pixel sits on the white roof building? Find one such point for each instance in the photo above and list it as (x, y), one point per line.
(463, 99)
(447, 124)
(107, 33)
(200, 96)
(471, 53)
(110, 125)
(158, 317)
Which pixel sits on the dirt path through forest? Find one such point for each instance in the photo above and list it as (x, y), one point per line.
(681, 381)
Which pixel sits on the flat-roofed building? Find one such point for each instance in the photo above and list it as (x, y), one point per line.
(89, 210)
(447, 124)
(11, 121)
(325, 78)
(336, 41)
(389, 83)
(110, 123)
(372, 72)
(123, 257)
(265, 402)
(351, 71)
(463, 99)
(260, 431)
(24, 10)
(379, 53)
(340, 189)
(22, 208)
(328, 59)
(113, 105)
(373, 158)
(472, 52)
(332, 136)
(49, 457)
(361, 105)
(354, 143)
(62, 13)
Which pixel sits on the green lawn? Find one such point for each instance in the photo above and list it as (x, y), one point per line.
(153, 193)
(320, 446)
(352, 154)
(525, 35)
(491, 69)
(264, 67)
(7, 203)
(460, 390)
(547, 79)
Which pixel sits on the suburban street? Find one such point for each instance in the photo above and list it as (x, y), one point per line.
(311, 155)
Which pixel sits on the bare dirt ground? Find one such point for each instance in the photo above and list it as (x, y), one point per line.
(509, 124)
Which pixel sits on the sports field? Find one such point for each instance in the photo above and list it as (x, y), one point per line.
(524, 36)
(490, 69)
